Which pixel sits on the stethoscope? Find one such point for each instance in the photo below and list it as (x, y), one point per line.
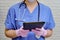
(24, 4)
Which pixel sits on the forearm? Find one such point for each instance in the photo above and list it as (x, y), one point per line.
(10, 33)
(49, 33)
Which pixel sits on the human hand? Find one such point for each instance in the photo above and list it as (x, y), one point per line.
(22, 32)
(40, 32)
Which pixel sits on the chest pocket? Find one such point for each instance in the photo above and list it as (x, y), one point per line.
(19, 22)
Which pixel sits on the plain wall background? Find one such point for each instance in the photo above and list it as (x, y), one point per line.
(53, 4)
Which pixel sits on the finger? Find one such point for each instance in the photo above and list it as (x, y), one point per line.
(21, 28)
(38, 29)
(25, 30)
(33, 29)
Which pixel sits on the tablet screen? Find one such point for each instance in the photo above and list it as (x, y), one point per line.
(32, 25)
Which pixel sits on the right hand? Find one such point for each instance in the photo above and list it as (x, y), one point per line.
(22, 32)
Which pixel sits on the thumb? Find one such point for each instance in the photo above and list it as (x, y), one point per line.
(21, 28)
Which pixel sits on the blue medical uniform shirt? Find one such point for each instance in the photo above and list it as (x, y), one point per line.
(16, 16)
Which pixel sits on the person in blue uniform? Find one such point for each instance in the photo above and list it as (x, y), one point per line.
(29, 11)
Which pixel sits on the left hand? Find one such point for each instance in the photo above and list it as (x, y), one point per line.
(40, 31)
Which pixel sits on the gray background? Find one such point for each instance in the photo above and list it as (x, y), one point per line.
(53, 4)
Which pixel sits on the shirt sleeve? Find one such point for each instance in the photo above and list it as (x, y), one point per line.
(9, 22)
(51, 23)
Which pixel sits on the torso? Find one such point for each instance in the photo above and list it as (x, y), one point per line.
(27, 17)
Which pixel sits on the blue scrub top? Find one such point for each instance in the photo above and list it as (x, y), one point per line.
(16, 16)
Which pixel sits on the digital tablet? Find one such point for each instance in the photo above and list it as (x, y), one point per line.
(32, 25)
